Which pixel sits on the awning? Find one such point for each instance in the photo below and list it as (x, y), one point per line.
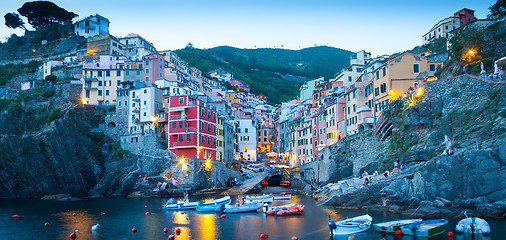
(501, 60)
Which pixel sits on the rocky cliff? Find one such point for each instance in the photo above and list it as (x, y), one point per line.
(472, 112)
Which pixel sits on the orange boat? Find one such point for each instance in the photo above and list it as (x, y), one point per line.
(295, 210)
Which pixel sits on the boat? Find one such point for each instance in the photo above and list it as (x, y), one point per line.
(187, 205)
(247, 207)
(473, 225)
(295, 210)
(350, 225)
(211, 208)
(427, 228)
(263, 198)
(282, 196)
(277, 208)
(392, 226)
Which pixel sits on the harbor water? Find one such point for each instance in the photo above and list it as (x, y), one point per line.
(123, 214)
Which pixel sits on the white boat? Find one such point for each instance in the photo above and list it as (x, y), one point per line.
(263, 198)
(276, 208)
(350, 225)
(282, 196)
(392, 226)
(427, 228)
(473, 225)
(247, 207)
(187, 205)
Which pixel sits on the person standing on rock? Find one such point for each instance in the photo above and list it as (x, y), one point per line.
(384, 197)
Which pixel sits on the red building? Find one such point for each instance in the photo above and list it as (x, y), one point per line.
(191, 127)
(466, 16)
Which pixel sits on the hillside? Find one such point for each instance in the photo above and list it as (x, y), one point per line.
(268, 70)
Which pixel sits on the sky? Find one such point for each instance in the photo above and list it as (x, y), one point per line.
(379, 27)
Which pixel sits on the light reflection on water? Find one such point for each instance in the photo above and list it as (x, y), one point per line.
(122, 214)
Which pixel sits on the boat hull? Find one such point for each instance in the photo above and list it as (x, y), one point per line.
(426, 228)
(351, 225)
(248, 207)
(295, 210)
(392, 226)
(193, 205)
(277, 208)
(267, 199)
(282, 197)
(473, 226)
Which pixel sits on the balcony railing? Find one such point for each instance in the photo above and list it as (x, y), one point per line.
(369, 120)
(89, 87)
(183, 144)
(178, 117)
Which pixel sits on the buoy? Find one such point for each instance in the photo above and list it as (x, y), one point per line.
(223, 215)
(73, 235)
(294, 238)
(178, 230)
(16, 216)
(147, 213)
(102, 214)
(46, 224)
(74, 214)
(450, 234)
(171, 237)
(352, 237)
(134, 229)
(165, 230)
(263, 235)
(398, 232)
(182, 212)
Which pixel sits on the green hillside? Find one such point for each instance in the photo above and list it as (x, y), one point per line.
(265, 69)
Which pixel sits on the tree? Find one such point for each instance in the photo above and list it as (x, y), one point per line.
(44, 13)
(12, 20)
(498, 9)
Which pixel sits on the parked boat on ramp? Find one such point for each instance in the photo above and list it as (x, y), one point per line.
(350, 225)
(246, 207)
(473, 225)
(427, 228)
(392, 226)
(187, 205)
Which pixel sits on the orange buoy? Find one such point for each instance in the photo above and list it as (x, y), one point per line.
(450, 234)
(182, 212)
(73, 235)
(263, 235)
(223, 215)
(398, 232)
(74, 214)
(134, 229)
(147, 213)
(16, 216)
(102, 214)
(46, 224)
(294, 238)
(171, 237)
(165, 230)
(178, 230)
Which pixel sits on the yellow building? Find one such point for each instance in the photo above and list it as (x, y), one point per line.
(101, 77)
(394, 78)
(220, 140)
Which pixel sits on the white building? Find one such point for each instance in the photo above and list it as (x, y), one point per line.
(92, 25)
(137, 47)
(48, 65)
(442, 29)
(221, 75)
(29, 84)
(145, 105)
(358, 61)
(247, 134)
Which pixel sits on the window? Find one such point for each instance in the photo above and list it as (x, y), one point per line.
(416, 68)
(377, 75)
(107, 73)
(99, 83)
(173, 125)
(349, 78)
(99, 73)
(265, 132)
(246, 130)
(354, 96)
(180, 137)
(209, 127)
(203, 139)
(147, 79)
(354, 108)
(107, 92)
(147, 70)
(204, 113)
(87, 93)
(432, 67)
(99, 92)
(144, 114)
(118, 82)
(181, 100)
(384, 71)
(180, 124)
(208, 140)
(118, 73)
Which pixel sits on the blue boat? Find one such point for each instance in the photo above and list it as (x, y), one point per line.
(427, 228)
(212, 208)
(187, 205)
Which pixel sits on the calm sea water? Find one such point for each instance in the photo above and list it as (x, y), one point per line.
(123, 214)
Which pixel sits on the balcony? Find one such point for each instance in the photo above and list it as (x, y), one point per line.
(182, 130)
(369, 120)
(178, 117)
(363, 108)
(90, 78)
(89, 87)
(137, 99)
(182, 145)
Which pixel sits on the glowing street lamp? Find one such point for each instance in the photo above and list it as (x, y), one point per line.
(419, 92)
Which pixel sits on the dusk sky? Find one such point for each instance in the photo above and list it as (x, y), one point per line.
(381, 27)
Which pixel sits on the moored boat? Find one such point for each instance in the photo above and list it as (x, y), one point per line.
(392, 226)
(427, 228)
(277, 208)
(473, 225)
(247, 207)
(211, 208)
(295, 210)
(187, 205)
(282, 196)
(263, 198)
(350, 225)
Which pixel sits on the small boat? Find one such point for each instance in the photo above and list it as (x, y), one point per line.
(277, 208)
(263, 198)
(187, 205)
(350, 225)
(282, 196)
(427, 228)
(473, 225)
(295, 210)
(392, 226)
(247, 207)
(212, 208)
